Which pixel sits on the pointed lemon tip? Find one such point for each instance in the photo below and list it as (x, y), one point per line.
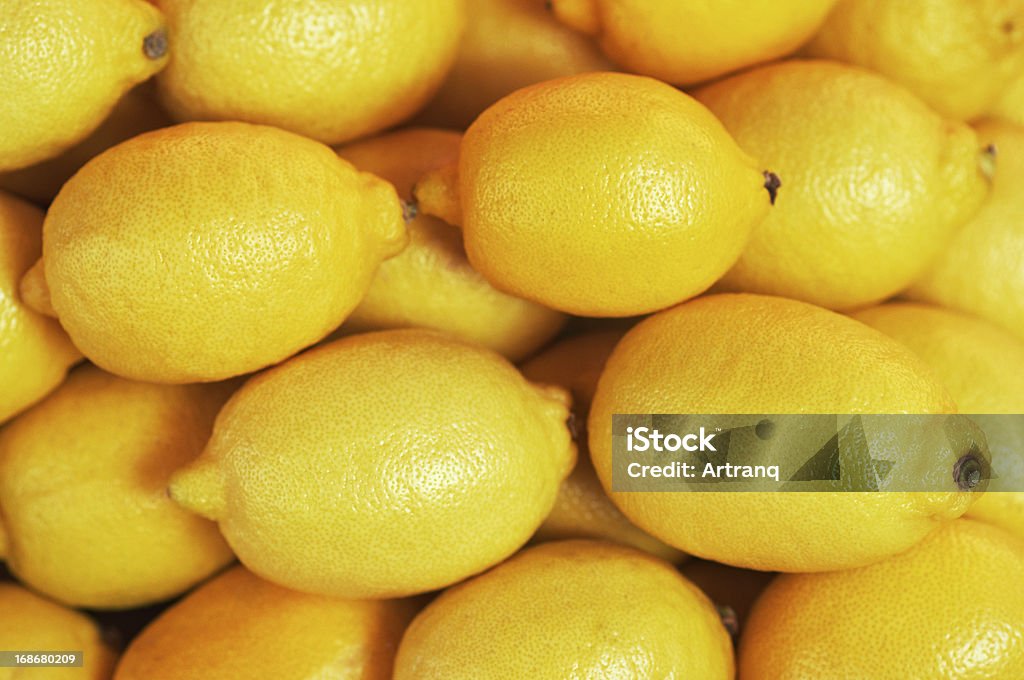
(579, 15)
(437, 194)
(199, 488)
(35, 292)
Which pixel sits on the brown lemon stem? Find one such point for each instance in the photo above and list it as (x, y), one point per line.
(967, 472)
(987, 161)
(154, 45)
(729, 619)
(410, 210)
(772, 183)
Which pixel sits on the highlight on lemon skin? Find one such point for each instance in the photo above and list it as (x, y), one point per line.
(382, 465)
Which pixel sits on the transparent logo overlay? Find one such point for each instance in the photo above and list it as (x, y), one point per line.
(801, 452)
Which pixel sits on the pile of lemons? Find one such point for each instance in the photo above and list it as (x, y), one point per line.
(314, 315)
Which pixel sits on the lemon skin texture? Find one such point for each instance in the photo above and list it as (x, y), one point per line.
(758, 354)
(63, 66)
(382, 465)
(685, 42)
(208, 250)
(604, 194)
(31, 623)
(1010, 105)
(136, 112)
(569, 609)
(983, 367)
(950, 608)
(508, 44)
(326, 69)
(240, 626)
(959, 57)
(982, 270)
(582, 508)
(431, 284)
(35, 353)
(875, 183)
(83, 479)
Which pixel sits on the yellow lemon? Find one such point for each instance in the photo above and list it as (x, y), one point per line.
(240, 626)
(756, 354)
(30, 623)
(137, 112)
(208, 250)
(582, 509)
(332, 70)
(983, 367)
(35, 353)
(508, 44)
(382, 465)
(431, 284)
(83, 500)
(601, 194)
(1010, 105)
(63, 66)
(957, 55)
(569, 609)
(875, 182)
(952, 608)
(982, 270)
(685, 41)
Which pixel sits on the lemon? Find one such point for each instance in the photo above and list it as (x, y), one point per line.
(35, 353)
(570, 609)
(332, 70)
(759, 354)
(431, 284)
(601, 194)
(1010, 105)
(982, 270)
(30, 623)
(83, 500)
(685, 41)
(957, 55)
(208, 250)
(136, 112)
(582, 509)
(508, 44)
(733, 590)
(983, 367)
(951, 608)
(240, 626)
(382, 465)
(63, 66)
(876, 183)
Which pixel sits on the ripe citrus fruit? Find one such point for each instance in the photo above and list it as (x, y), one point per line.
(983, 367)
(569, 609)
(602, 194)
(875, 182)
(952, 608)
(136, 112)
(431, 284)
(959, 56)
(332, 70)
(65, 64)
(208, 250)
(240, 626)
(582, 509)
(756, 354)
(1010, 105)
(83, 502)
(982, 270)
(30, 623)
(686, 42)
(36, 352)
(508, 44)
(382, 465)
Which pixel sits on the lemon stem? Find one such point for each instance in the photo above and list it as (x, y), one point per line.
(410, 209)
(772, 183)
(154, 45)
